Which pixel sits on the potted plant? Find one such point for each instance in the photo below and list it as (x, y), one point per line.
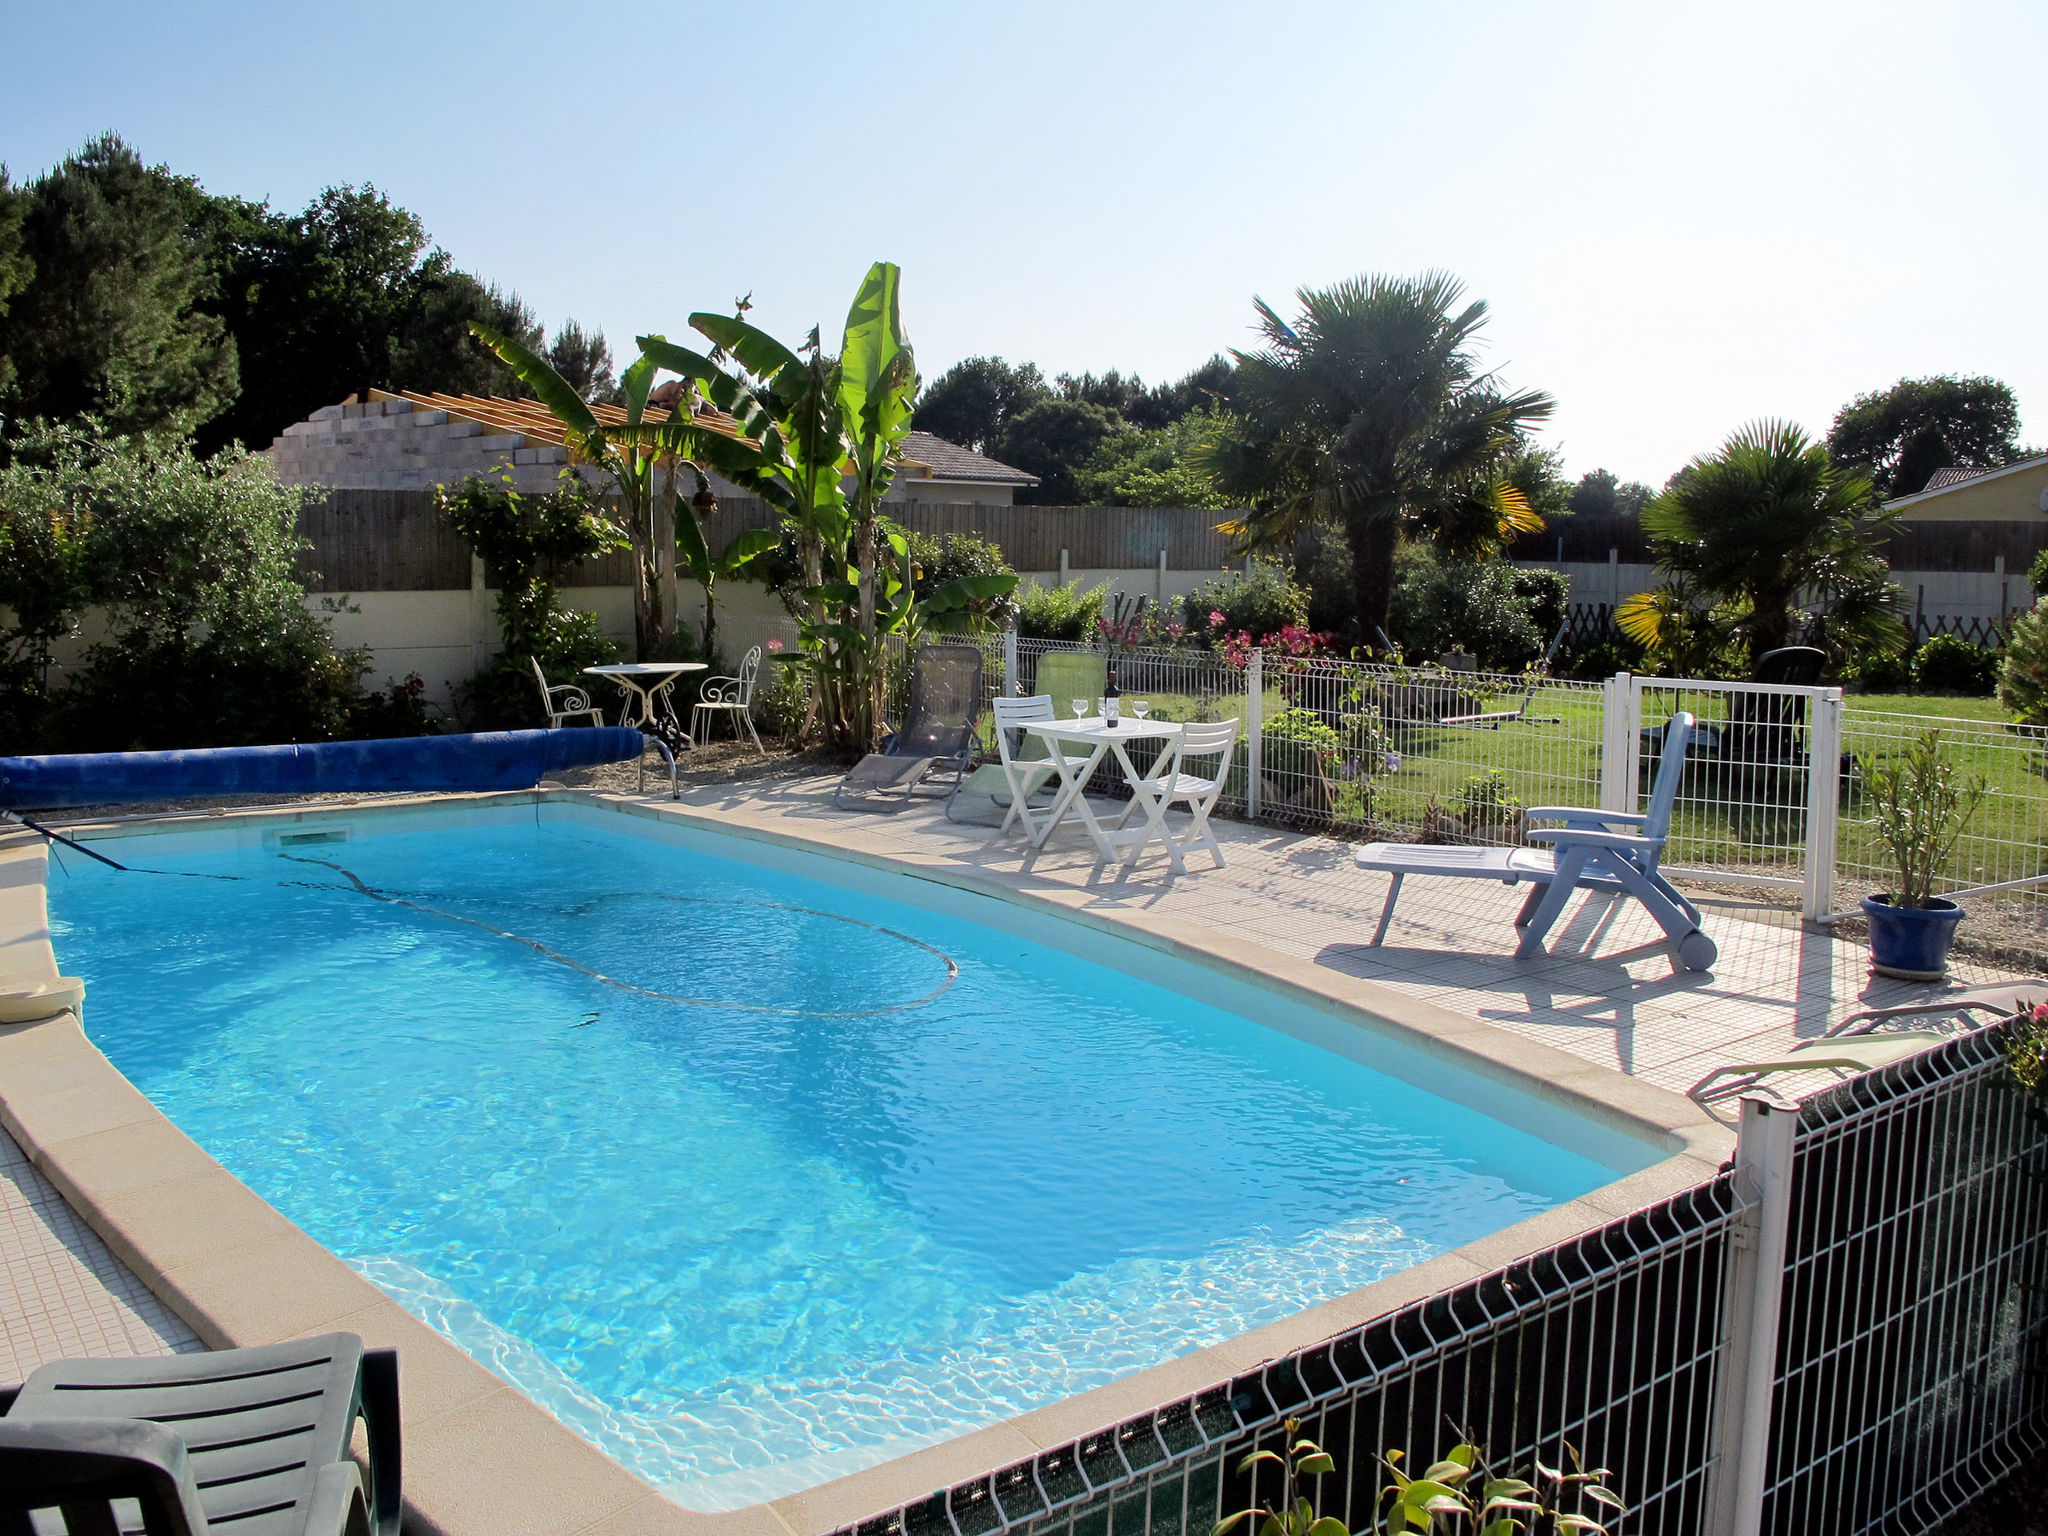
(1920, 802)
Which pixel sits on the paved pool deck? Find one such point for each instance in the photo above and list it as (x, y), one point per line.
(1607, 992)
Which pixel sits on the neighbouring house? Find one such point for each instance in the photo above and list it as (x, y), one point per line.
(398, 440)
(2018, 493)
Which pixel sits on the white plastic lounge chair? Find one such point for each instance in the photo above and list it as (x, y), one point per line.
(1588, 854)
(1176, 784)
(732, 696)
(1844, 1055)
(2001, 1001)
(562, 701)
(1495, 719)
(253, 1441)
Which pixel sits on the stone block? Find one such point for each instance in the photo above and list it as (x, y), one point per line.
(326, 413)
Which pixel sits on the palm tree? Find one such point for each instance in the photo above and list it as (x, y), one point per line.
(1752, 536)
(1371, 411)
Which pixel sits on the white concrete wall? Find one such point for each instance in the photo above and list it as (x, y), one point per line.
(1935, 594)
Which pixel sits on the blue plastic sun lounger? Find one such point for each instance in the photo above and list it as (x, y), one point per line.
(1595, 850)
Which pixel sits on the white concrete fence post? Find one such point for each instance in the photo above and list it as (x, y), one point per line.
(1012, 684)
(1752, 1296)
(1254, 731)
(1617, 767)
(1823, 801)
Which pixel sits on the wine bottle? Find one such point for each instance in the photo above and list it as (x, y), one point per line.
(1110, 696)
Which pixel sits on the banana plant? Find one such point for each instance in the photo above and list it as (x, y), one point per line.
(631, 465)
(707, 569)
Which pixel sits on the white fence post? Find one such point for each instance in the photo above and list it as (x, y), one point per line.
(1617, 731)
(1751, 1297)
(1823, 801)
(1254, 731)
(1012, 685)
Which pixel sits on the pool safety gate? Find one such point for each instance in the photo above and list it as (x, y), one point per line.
(1847, 1330)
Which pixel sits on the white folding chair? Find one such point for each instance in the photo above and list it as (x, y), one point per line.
(1200, 791)
(1025, 775)
(560, 701)
(729, 696)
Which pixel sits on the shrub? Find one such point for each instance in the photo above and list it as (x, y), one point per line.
(504, 696)
(938, 559)
(1262, 601)
(1487, 807)
(191, 562)
(2037, 573)
(2023, 675)
(1950, 664)
(1502, 614)
(783, 700)
(1059, 613)
(1884, 672)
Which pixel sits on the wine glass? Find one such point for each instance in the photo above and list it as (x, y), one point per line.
(1080, 707)
(1141, 708)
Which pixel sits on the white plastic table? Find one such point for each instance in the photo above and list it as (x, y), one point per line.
(1074, 772)
(646, 706)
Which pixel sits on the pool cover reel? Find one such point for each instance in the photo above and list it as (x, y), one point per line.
(485, 761)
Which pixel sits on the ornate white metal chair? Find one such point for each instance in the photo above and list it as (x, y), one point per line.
(1155, 796)
(732, 696)
(562, 701)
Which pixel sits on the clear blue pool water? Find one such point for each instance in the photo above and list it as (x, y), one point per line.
(749, 1178)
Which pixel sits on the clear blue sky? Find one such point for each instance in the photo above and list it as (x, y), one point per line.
(1683, 218)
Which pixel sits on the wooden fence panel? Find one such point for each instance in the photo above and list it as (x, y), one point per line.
(391, 541)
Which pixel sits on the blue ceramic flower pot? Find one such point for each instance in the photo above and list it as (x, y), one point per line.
(1911, 943)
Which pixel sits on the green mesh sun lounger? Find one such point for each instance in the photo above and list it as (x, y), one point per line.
(938, 728)
(253, 1442)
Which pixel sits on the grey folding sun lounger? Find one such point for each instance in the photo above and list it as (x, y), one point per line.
(1999, 1001)
(938, 728)
(253, 1442)
(1590, 853)
(1844, 1054)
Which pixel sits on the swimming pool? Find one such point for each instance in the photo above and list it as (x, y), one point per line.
(757, 1175)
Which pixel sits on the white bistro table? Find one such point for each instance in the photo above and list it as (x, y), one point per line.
(1102, 739)
(646, 706)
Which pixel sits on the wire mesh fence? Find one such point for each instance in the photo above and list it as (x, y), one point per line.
(1608, 1341)
(1910, 1370)
(1915, 1297)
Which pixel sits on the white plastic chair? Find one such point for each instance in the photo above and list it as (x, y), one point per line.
(563, 701)
(1022, 776)
(729, 696)
(1176, 784)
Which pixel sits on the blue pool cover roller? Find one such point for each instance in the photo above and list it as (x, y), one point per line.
(488, 760)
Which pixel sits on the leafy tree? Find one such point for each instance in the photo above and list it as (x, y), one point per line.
(973, 402)
(15, 267)
(1900, 436)
(345, 297)
(584, 358)
(1160, 405)
(1052, 440)
(1600, 494)
(1153, 468)
(1371, 411)
(1751, 531)
(113, 321)
(1538, 474)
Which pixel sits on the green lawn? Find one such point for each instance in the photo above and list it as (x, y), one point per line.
(1730, 816)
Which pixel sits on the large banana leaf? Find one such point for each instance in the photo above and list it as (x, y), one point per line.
(747, 546)
(729, 394)
(690, 544)
(755, 350)
(553, 391)
(877, 378)
(634, 383)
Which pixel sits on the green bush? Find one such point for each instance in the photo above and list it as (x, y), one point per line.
(1059, 613)
(504, 695)
(2023, 675)
(1950, 664)
(2037, 573)
(783, 699)
(1501, 613)
(938, 559)
(1883, 672)
(1260, 602)
(191, 563)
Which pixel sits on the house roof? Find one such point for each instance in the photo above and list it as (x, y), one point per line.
(1938, 486)
(934, 456)
(949, 461)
